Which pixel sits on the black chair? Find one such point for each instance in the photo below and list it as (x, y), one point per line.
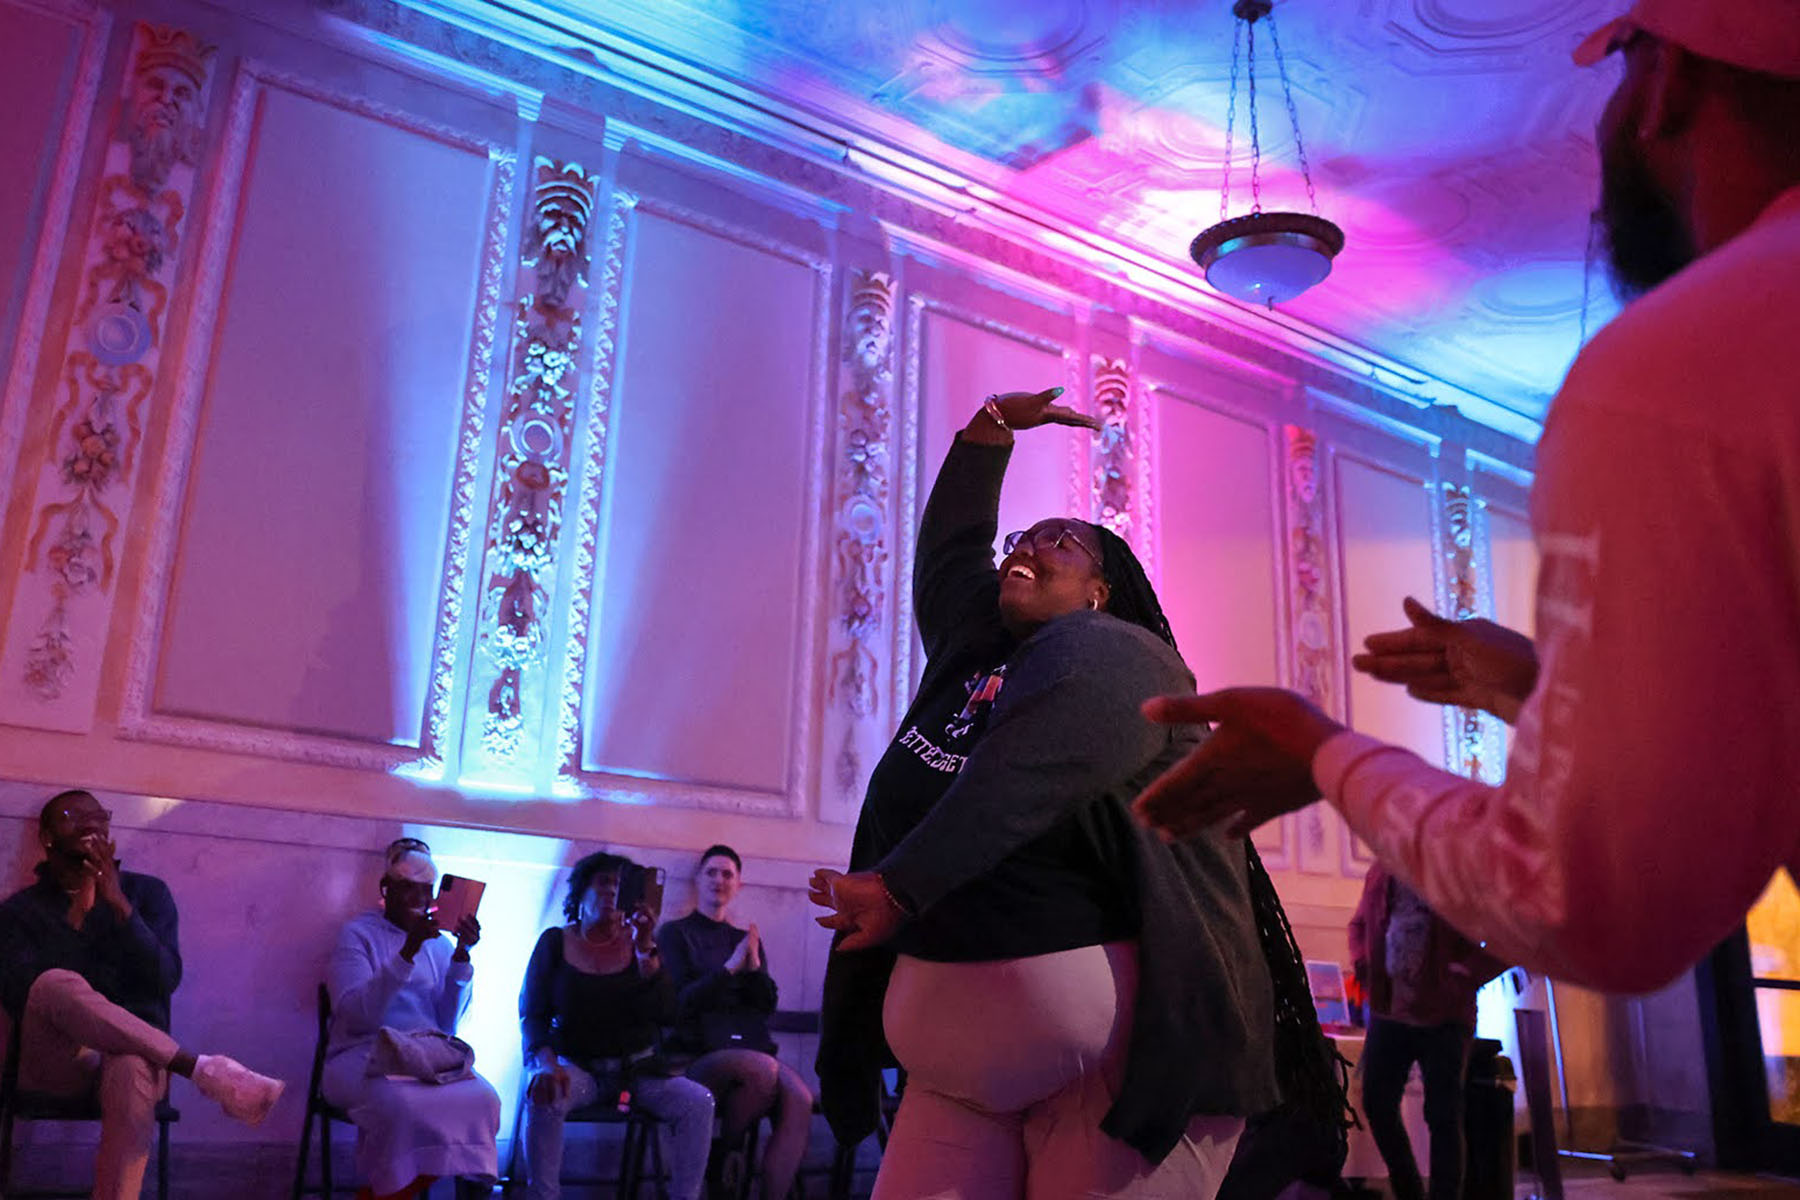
(319, 1110)
(640, 1138)
(19, 1105)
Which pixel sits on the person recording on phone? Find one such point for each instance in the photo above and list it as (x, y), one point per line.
(595, 998)
(397, 992)
(724, 996)
(88, 962)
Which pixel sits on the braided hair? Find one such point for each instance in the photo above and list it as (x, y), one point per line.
(1314, 1077)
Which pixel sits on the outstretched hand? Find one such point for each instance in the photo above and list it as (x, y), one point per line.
(1025, 410)
(1472, 664)
(1256, 765)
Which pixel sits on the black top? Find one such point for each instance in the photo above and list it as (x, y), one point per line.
(1026, 844)
(715, 1007)
(584, 1016)
(136, 963)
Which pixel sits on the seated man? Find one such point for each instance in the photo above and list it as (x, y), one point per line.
(397, 992)
(88, 961)
(723, 998)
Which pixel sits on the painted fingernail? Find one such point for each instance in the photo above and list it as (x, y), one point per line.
(1056, 392)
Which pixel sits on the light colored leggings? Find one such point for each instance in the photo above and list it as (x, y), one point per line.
(683, 1108)
(1010, 1067)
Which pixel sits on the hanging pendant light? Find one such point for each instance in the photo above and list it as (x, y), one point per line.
(1264, 257)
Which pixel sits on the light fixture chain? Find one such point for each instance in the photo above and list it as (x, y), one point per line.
(1312, 201)
(1230, 120)
(1255, 130)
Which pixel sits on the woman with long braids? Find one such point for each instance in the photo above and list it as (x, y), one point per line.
(1081, 1008)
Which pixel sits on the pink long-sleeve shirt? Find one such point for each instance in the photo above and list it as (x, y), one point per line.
(1654, 782)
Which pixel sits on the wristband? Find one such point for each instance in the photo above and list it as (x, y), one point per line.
(993, 411)
(903, 909)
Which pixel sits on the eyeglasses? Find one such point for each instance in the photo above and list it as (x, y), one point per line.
(1041, 540)
(70, 815)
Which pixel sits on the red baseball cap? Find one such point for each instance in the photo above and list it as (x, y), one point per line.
(1757, 35)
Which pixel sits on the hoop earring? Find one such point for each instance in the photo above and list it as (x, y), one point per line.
(1094, 604)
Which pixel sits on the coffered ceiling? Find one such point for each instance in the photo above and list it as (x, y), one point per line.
(1452, 139)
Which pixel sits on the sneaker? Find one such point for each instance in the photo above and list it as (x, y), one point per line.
(241, 1092)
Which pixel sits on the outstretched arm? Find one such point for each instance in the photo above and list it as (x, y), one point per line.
(1471, 664)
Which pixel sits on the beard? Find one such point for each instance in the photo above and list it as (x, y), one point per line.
(1642, 233)
(155, 148)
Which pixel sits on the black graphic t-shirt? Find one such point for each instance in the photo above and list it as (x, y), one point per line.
(1064, 889)
(1006, 826)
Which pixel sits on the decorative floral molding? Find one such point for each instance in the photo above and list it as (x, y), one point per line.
(536, 432)
(1311, 621)
(58, 201)
(863, 513)
(110, 367)
(1310, 613)
(1463, 577)
(593, 477)
(1114, 453)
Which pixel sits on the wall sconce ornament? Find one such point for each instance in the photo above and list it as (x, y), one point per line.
(535, 438)
(1264, 257)
(1114, 452)
(862, 510)
(115, 344)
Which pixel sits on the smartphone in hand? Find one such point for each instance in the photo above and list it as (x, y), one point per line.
(654, 880)
(457, 898)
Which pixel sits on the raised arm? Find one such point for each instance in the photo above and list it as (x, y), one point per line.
(953, 571)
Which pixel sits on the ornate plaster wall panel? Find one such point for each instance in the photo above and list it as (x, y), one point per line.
(52, 75)
(535, 448)
(1112, 498)
(701, 650)
(334, 379)
(862, 562)
(112, 358)
(1219, 573)
(596, 442)
(1385, 535)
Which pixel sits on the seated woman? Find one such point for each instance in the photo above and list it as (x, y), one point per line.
(397, 992)
(595, 997)
(723, 999)
(1082, 1008)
